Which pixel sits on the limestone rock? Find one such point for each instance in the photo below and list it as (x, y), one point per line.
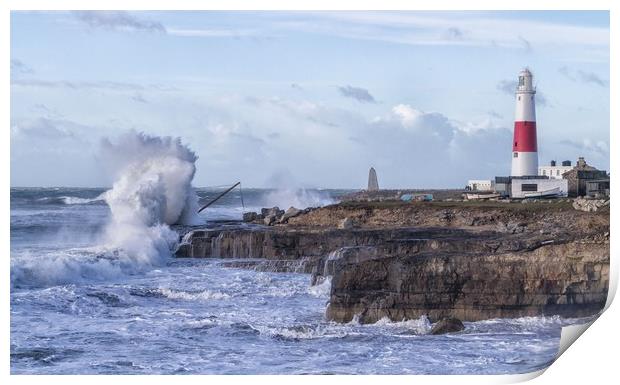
(271, 215)
(405, 263)
(516, 227)
(250, 216)
(290, 213)
(589, 205)
(346, 224)
(265, 212)
(270, 219)
(509, 279)
(447, 325)
(446, 216)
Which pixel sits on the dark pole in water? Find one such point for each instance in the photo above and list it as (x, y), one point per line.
(219, 196)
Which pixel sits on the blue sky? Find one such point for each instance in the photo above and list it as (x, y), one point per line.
(305, 98)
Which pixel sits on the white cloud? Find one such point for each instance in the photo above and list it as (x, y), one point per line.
(20, 68)
(402, 27)
(118, 20)
(250, 138)
(360, 94)
(481, 30)
(509, 87)
(406, 114)
(598, 147)
(233, 33)
(97, 85)
(583, 76)
(44, 129)
(423, 123)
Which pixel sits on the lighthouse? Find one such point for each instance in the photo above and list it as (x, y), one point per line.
(524, 181)
(524, 147)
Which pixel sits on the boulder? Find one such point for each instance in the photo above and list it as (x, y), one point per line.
(447, 325)
(445, 216)
(511, 227)
(346, 224)
(290, 213)
(265, 212)
(271, 215)
(588, 205)
(250, 216)
(270, 219)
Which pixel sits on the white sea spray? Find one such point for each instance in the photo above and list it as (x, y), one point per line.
(300, 198)
(152, 190)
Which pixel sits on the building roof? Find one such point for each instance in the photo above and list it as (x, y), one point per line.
(583, 170)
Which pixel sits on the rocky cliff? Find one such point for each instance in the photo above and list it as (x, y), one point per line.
(472, 262)
(569, 279)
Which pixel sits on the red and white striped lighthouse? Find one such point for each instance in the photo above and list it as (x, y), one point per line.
(524, 147)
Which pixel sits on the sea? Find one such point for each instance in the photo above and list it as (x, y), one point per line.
(82, 304)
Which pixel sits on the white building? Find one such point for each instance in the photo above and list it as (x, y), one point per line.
(554, 171)
(533, 187)
(480, 185)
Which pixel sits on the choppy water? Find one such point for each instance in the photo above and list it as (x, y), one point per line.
(76, 309)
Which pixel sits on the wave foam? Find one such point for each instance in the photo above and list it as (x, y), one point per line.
(322, 289)
(421, 325)
(81, 265)
(301, 332)
(70, 200)
(152, 191)
(193, 296)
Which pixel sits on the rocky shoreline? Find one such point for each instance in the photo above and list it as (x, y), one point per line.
(470, 261)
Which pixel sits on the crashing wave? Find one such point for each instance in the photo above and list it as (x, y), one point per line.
(321, 289)
(152, 191)
(70, 200)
